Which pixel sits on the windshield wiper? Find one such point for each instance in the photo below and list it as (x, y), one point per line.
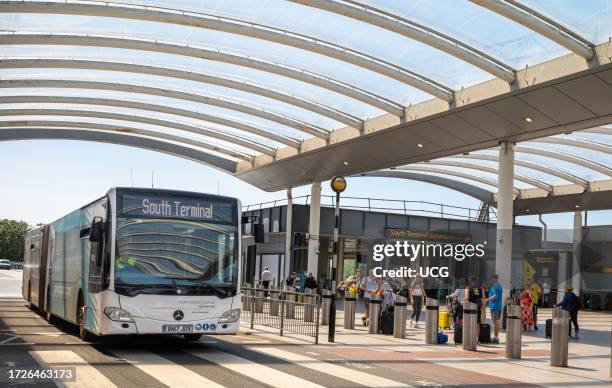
(136, 288)
(219, 290)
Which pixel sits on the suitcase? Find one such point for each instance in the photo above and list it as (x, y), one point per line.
(484, 336)
(444, 320)
(386, 322)
(458, 337)
(549, 328)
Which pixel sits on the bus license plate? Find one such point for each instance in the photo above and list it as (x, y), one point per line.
(177, 328)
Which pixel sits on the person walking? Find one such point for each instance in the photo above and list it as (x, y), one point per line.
(417, 295)
(311, 282)
(266, 278)
(495, 306)
(571, 304)
(475, 295)
(457, 298)
(369, 287)
(536, 291)
(526, 304)
(546, 293)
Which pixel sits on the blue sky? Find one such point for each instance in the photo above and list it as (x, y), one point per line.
(43, 180)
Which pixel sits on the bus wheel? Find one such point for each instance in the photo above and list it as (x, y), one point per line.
(193, 337)
(83, 333)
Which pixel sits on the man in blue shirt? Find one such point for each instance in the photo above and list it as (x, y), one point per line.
(495, 305)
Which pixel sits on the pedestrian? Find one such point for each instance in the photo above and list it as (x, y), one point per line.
(526, 304)
(311, 282)
(266, 278)
(417, 295)
(369, 287)
(457, 298)
(475, 295)
(495, 306)
(546, 293)
(571, 304)
(386, 290)
(536, 291)
(291, 279)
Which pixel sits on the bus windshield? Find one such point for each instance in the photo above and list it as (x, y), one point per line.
(165, 242)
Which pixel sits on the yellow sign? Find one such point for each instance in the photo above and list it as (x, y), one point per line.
(432, 236)
(528, 273)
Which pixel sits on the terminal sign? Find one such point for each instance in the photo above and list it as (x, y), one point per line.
(176, 208)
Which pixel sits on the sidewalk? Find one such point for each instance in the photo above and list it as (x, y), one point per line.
(589, 359)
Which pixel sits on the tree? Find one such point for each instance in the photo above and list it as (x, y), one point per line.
(12, 239)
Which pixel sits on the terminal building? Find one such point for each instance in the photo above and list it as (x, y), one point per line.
(532, 256)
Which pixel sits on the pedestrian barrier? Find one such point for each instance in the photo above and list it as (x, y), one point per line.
(282, 310)
(325, 306)
(350, 300)
(431, 320)
(559, 339)
(375, 306)
(399, 317)
(513, 332)
(470, 320)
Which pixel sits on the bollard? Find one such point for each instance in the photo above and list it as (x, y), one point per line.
(289, 305)
(513, 332)
(309, 305)
(375, 306)
(432, 307)
(470, 320)
(325, 303)
(350, 300)
(259, 299)
(559, 338)
(274, 303)
(399, 317)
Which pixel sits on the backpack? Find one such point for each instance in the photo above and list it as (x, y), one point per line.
(442, 338)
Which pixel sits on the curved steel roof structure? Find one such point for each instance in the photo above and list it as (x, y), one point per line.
(294, 91)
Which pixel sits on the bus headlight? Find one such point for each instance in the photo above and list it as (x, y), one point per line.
(118, 315)
(230, 316)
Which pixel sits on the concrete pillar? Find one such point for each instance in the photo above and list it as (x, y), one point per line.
(505, 197)
(576, 257)
(288, 237)
(313, 228)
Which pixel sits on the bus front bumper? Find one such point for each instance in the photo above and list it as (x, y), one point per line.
(141, 325)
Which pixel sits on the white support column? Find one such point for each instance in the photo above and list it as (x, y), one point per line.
(503, 246)
(288, 237)
(313, 228)
(577, 253)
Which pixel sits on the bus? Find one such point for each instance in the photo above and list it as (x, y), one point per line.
(139, 261)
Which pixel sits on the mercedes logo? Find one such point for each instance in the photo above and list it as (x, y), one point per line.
(178, 315)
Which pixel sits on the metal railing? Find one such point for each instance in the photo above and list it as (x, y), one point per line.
(287, 311)
(384, 205)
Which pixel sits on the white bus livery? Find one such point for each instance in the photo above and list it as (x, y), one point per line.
(140, 261)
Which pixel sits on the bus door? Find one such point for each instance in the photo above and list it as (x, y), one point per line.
(98, 251)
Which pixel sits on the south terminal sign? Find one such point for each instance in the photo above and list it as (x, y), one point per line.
(407, 234)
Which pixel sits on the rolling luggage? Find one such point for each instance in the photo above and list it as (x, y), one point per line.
(444, 320)
(484, 336)
(386, 322)
(458, 337)
(549, 328)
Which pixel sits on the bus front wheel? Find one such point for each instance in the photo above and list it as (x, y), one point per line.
(193, 337)
(83, 333)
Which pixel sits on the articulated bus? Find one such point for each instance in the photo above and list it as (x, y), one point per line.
(140, 261)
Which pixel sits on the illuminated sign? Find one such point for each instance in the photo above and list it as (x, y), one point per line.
(176, 208)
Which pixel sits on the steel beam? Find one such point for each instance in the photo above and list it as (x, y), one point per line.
(180, 95)
(203, 131)
(471, 177)
(567, 158)
(375, 16)
(233, 26)
(568, 176)
(211, 54)
(462, 187)
(27, 99)
(471, 166)
(577, 143)
(209, 78)
(541, 24)
(225, 165)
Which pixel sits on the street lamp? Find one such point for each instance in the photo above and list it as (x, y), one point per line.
(338, 185)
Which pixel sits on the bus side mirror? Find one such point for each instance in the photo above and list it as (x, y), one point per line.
(96, 232)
